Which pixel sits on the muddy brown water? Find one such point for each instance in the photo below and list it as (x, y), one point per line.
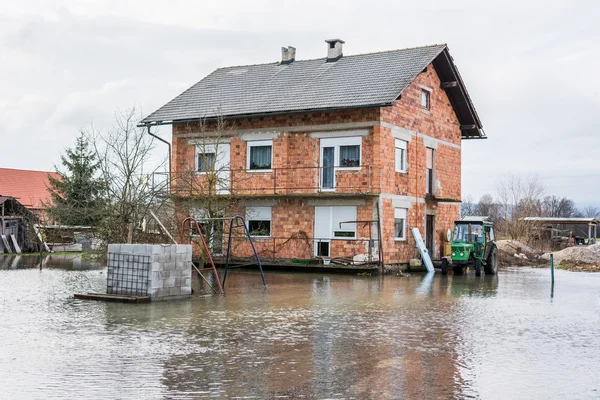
(312, 336)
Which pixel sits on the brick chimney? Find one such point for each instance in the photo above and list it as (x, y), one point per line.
(334, 49)
(288, 54)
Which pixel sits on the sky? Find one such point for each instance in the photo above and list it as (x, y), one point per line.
(529, 66)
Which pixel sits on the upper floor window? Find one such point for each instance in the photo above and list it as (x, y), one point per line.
(206, 161)
(425, 99)
(350, 156)
(259, 221)
(401, 155)
(429, 170)
(260, 155)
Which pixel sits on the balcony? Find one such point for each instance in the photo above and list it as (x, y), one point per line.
(300, 181)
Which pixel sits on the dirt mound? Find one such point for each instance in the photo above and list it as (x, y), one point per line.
(576, 255)
(513, 252)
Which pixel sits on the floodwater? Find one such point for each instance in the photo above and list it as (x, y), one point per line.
(312, 336)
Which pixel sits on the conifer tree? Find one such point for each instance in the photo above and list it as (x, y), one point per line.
(77, 195)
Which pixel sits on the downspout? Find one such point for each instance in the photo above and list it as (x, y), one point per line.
(168, 144)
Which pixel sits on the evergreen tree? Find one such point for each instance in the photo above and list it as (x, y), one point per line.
(77, 195)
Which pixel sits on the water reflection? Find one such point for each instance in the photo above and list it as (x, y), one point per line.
(306, 336)
(46, 260)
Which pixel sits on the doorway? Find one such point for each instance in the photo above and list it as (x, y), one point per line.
(429, 233)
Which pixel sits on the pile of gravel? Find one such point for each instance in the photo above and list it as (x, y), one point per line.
(576, 255)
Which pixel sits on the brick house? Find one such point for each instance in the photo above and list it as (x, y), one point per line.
(327, 156)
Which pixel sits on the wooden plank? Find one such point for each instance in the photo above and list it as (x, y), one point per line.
(14, 240)
(6, 245)
(37, 232)
(166, 232)
(112, 297)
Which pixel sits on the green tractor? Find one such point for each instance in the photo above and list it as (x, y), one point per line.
(472, 245)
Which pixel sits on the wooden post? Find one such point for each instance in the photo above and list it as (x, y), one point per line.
(130, 233)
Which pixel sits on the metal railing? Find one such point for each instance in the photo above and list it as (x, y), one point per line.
(364, 179)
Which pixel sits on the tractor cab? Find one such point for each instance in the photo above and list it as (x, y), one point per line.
(472, 245)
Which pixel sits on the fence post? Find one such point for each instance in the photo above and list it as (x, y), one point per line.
(552, 267)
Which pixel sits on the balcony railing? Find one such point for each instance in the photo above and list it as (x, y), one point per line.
(364, 179)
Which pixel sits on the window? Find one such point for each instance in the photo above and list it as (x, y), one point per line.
(429, 171)
(332, 222)
(400, 155)
(425, 99)
(400, 223)
(259, 221)
(260, 155)
(350, 156)
(206, 162)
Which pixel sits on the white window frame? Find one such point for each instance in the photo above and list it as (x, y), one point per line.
(333, 226)
(400, 213)
(262, 213)
(257, 143)
(337, 143)
(428, 91)
(401, 165)
(204, 149)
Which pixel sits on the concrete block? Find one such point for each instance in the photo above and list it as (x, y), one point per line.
(187, 282)
(178, 282)
(181, 249)
(174, 291)
(126, 249)
(156, 266)
(157, 249)
(186, 290)
(162, 292)
(153, 292)
(170, 282)
(114, 248)
(169, 266)
(140, 249)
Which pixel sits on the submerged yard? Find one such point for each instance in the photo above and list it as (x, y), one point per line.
(305, 336)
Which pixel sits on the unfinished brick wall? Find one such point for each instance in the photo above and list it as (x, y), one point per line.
(439, 122)
(296, 158)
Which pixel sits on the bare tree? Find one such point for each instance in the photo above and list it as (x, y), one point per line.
(518, 197)
(487, 206)
(467, 206)
(591, 212)
(124, 154)
(204, 187)
(559, 207)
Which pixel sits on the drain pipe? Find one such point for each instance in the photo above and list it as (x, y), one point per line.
(168, 144)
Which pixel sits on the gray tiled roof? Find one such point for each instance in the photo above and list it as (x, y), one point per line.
(350, 82)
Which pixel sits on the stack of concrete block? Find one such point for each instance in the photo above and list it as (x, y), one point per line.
(169, 269)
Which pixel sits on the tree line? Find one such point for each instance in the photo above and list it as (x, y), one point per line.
(519, 196)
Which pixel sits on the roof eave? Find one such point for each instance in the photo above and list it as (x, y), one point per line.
(459, 96)
(146, 123)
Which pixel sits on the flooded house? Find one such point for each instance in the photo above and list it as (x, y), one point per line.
(335, 157)
(23, 194)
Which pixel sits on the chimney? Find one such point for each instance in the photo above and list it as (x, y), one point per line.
(334, 49)
(288, 55)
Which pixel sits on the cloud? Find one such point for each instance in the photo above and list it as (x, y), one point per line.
(529, 67)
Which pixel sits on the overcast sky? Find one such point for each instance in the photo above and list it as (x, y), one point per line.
(531, 68)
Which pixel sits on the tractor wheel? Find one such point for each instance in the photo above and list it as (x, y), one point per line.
(477, 267)
(459, 270)
(491, 267)
(444, 266)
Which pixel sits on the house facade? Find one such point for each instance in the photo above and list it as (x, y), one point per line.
(336, 157)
